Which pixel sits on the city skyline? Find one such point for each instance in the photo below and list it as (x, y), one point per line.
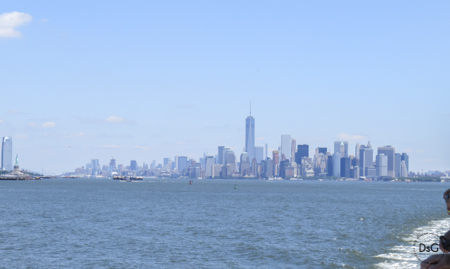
(161, 81)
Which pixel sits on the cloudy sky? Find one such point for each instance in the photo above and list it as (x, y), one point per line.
(146, 80)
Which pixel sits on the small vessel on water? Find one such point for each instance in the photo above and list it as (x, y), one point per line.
(127, 178)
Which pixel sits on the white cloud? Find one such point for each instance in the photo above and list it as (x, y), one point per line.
(12, 20)
(44, 20)
(143, 148)
(1, 121)
(114, 119)
(117, 120)
(111, 146)
(352, 138)
(49, 124)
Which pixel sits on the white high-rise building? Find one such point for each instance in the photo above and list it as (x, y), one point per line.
(293, 146)
(7, 154)
(403, 169)
(390, 153)
(382, 165)
(286, 147)
(209, 162)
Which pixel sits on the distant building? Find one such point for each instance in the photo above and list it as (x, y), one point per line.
(230, 162)
(166, 161)
(259, 154)
(244, 168)
(345, 167)
(366, 158)
(220, 155)
(250, 136)
(357, 147)
(275, 157)
(7, 157)
(405, 158)
(390, 153)
(286, 146)
(265, 157)
(337, 148)
(217, 169)
(112, 165)
(337, 165)
(302, 151)
(322, 150)
(403, 169)
(283, 166)
(329, 165)
(209, 162)
(133, 165)
(254, 167)
(293, 145)
(268, 168)
(95, 166)
(398, 161)
(370, 172)
(182, 164)
(382, 162)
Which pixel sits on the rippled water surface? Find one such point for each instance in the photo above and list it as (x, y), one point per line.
(101, 223)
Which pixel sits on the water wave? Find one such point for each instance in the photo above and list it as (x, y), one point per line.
(402, 256)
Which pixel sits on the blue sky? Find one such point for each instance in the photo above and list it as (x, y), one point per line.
(145, 80)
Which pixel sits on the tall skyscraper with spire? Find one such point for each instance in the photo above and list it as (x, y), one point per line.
(250, 135)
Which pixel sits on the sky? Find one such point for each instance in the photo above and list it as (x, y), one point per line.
(144, 80)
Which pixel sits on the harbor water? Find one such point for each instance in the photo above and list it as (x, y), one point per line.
(167, 223)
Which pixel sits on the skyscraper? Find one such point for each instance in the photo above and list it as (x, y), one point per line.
(265, 157)
(398, 161)
(302, 151)
(322, 150)
(220, 154)
(293, 145)
(345, 167)
(337, 148)
(181, 163)
(133, 165)
(405, 158)
(112, 165)
(337, 164)
(366, 158)
(7, 153)
(250, 135)
(230, 162)
(390, 152)
(259, 154)
(286, 146)
(382, 162)
(209, 162)
(244, 168)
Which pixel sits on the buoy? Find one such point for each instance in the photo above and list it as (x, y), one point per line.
(235, 186)
(190, 182)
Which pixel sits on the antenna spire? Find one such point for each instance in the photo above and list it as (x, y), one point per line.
(250, 108)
